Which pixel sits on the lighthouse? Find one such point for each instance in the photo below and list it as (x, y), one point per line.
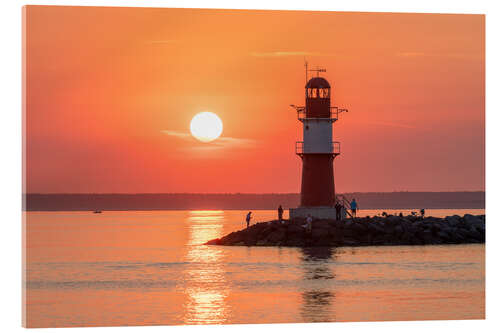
(317, 150)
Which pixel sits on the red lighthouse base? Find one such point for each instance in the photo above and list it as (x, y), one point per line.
(318, 185)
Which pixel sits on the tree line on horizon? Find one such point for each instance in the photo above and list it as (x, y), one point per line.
(190, 201)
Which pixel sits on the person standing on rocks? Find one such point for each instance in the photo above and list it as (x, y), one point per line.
(354, 207)
(309, 221)
(338, 211)
(422, 212)
(249, 217)
(280, 214)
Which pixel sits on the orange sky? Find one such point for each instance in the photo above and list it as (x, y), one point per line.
(111, 92)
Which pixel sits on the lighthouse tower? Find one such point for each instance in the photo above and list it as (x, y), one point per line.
(317, 150)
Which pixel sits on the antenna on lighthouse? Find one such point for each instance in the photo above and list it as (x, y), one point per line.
(305, 64)
(318, 70)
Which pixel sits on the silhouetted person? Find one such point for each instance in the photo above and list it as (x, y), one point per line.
(249, 217)
(309, 221)
(338, 211)
(280, 213)
(354, 207)
(422, 212)
(401, 214)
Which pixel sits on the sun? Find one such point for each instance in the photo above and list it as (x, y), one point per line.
(206, 126)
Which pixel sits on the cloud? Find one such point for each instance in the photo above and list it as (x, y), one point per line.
(223, 142)
(166, 41)
(177, 134)
(226, 143)
(276, 54)
(391, 124)
(412, 54)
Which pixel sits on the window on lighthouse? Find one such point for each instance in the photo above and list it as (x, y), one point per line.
(318, 92)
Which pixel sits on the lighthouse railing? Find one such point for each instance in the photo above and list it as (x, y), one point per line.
(334, 113)
(334, 149)
(344, 202)
(299, 147)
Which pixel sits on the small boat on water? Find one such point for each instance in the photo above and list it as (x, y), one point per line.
(97, 211)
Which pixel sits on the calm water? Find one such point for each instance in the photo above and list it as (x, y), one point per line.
(149, 267)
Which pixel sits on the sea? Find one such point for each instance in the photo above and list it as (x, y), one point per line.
(151, 268)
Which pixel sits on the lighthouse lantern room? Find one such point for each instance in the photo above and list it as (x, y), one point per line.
(317, 150)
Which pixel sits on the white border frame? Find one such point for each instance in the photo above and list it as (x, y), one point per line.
(11, 155)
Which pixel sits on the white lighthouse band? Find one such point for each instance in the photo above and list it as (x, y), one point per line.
(317, 134)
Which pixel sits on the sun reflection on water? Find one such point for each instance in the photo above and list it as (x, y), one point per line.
(206, 286)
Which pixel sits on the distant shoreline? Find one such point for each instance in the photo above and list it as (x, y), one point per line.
(241, 201)
(228, 209)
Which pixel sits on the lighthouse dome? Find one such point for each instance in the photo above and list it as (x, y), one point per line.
(318, 82)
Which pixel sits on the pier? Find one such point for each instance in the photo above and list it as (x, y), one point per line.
(364, 231)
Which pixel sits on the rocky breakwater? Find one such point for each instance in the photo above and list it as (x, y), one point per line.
(366, 231)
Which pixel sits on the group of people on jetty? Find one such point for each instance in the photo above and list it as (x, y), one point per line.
(338, 213)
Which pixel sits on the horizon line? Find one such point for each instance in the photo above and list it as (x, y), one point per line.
(234, 193)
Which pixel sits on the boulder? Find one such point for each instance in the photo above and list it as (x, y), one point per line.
(295, 229)
(320, 224)
(471, 219)
(278, 236)
(349, 232)
(338, 224)
(398, 230)
(350, 242)
(417, 225)
(232, 238)
(475, 235)
(406, 238)
(443, 236)
(318, 233)
(216, 241)
(295, 240)
(376, 227)
(393, 220)
(425, 236)
(453, 220)
(360, 226)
